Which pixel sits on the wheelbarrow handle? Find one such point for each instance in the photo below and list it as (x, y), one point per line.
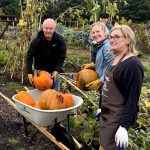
(41, 129)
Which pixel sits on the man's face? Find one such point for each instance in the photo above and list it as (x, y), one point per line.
(104, 20)
(49, 28)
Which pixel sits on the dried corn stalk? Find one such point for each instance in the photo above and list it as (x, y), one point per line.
(29, 24)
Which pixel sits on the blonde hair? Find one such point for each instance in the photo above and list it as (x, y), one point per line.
(103, 27)
(129, 34)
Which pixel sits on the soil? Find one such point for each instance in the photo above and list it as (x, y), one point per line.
(12, 133)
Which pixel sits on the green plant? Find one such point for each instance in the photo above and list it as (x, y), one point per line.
(74, 62)
(146, 71)
(142, 38)
(14, 141)
(4, 54)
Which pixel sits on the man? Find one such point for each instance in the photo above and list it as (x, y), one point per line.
(47, 52)
(104, 17)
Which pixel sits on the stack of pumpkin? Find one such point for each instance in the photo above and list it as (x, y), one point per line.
(49, 99)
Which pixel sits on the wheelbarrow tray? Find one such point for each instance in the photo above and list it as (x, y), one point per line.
(45, 117)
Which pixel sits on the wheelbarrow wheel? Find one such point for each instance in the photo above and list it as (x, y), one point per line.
(63, 136)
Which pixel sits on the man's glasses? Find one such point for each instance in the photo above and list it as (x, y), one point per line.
(116, 37)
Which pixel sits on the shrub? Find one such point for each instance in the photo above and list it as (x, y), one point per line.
(142, 38)
(73, 37)
(4, 54)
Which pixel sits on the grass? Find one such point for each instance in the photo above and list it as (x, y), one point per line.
(14, 141)
(14, 86)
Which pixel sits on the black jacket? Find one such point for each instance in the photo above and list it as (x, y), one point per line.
(46, 55)
(128, 77)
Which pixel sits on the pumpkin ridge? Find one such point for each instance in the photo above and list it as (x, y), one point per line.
(84, 77)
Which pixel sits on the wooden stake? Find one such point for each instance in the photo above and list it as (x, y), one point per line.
(77, 89)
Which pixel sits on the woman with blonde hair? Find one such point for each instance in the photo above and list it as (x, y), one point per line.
(101, 55)
(121, 90)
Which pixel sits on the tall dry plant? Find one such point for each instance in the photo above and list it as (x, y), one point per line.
(29, 24)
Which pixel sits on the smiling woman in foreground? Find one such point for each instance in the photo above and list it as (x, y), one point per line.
(121, 90)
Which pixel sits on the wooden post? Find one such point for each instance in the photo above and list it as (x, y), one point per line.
(8, 23)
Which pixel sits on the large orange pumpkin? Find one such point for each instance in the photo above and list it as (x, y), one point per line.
(68, 100)
(51, 99)
(25, 97)
(42, 80)
(45, 99)
(84, 77)
(58, 101)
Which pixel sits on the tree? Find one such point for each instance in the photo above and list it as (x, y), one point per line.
(9, 7)
(136, 10)
(56, 7)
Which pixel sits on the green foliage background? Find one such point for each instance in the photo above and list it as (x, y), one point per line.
(130, 9)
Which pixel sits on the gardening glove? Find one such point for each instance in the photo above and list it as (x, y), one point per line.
(88, 66)
(54, 75)
(97, 114)
(30, 77)
(121, 137)
(94, 85)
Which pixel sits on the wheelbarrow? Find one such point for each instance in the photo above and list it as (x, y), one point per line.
(44, 120)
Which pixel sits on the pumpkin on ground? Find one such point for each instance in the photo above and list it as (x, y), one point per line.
(69, 100)
(84, 77)
(25, 97)
(51, 99)
(42, 80)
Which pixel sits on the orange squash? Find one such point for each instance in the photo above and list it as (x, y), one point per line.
(58, 101)
(45, 99)
(68, 100)
(51, 99)
(36, 106)
(25, 97)
(42, 80)
(84, 77)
